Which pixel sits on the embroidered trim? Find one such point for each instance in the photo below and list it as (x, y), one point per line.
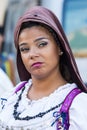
(63, 120)
(3, 100)
(16, 114)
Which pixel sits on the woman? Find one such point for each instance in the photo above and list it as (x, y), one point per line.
(49, 74)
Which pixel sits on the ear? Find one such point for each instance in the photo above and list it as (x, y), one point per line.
(60, 51)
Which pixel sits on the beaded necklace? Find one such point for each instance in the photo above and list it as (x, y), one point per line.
(16, 114)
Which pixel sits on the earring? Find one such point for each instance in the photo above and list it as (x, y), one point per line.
(61, 53)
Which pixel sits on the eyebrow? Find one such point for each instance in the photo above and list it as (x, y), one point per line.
(38, 39)
(21, 44)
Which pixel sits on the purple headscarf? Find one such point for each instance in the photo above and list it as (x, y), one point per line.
(45, 16)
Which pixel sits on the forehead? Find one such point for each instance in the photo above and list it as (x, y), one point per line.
(35, 31)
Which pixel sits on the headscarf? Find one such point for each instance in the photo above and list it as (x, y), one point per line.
(45, 16)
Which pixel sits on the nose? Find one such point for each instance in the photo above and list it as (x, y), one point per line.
(33, 53)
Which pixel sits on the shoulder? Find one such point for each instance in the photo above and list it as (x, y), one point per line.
(77, 112)
(79, 100)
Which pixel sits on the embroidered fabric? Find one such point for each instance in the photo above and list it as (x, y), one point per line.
(16, 114)
(63, 119)
(47, 122)
(44, 125)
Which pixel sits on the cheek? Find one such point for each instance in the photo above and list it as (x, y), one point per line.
(24, 59)
(52, 58)
(55, 57)
(53, 53)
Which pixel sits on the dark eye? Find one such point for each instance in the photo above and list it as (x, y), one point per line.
(24, 49)
(42, 44)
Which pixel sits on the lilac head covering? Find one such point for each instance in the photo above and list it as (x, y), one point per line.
(46, 17)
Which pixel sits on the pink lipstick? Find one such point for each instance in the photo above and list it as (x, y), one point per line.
(37, 64)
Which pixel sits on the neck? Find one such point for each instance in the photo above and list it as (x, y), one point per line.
(44, 87)
(48, 83)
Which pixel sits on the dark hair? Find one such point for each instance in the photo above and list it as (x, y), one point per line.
(65, 72)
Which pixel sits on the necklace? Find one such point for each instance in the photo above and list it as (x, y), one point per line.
(16, 114)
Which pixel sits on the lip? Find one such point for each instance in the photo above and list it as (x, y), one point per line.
(37, 64)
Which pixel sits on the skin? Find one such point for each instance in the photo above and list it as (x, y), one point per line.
(40, 55)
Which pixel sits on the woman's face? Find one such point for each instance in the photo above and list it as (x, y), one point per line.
(39, 52)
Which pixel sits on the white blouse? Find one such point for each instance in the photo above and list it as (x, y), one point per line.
(45, 106)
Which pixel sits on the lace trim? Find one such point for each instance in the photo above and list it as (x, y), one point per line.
(17, 114)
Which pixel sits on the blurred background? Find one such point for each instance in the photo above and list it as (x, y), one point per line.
(72, 15)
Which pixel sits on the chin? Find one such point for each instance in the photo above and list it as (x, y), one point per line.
(39, 77)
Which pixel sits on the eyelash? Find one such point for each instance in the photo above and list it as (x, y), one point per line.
(43, 44)
(23, 49)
